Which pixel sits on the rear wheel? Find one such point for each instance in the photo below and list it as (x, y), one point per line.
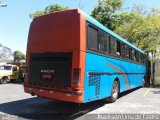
(22, 79)
(3, 80)
(13, 80)
(114, 91)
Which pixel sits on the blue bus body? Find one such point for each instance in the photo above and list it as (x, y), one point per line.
(101, 71)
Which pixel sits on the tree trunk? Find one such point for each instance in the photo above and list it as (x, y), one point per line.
(153, 72)
(148, 73)
(153, 65)
(152, 76)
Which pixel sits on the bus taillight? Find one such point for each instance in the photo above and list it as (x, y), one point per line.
(76, 75)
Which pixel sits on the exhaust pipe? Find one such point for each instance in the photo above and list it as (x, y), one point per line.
(32, 94)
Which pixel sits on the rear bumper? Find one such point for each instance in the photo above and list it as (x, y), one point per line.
(76, 97)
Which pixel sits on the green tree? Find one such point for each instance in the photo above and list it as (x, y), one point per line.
(18, 56)
(107, 12)
(48, 9)
(143, 31)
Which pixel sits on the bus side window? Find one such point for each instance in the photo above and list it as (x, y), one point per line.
(126, 52)
(145, 58)
(118, 48)
(132, 53)
(122, 50)
(103, 39)
(92, 38)
(113, 46)
(137, 56)
(142, 58)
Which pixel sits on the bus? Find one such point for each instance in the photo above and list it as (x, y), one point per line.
(72, 57)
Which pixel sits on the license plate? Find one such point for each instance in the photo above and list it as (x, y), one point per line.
(47, 74)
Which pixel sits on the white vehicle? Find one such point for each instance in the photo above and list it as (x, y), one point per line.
(8, 72)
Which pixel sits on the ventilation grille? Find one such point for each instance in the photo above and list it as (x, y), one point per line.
(94, 80)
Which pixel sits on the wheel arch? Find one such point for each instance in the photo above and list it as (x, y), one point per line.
(118, 80)
(5, 77)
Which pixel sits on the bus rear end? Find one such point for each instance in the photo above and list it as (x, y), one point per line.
(56, 56)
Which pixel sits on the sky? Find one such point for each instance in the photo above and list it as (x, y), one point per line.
(15, 21)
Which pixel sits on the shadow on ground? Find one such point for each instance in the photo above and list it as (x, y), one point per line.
(127, 92)
(15, 82)
(156, 92)
(156, 86)
(42, 109)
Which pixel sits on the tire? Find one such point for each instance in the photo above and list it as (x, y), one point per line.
(13, 80)
(114, 92)
(3, 80)
(22, 79)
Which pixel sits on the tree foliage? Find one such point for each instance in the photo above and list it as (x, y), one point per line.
(48, 9)
(18, 56)
(5, 53)
(143, 30)
(107, 12)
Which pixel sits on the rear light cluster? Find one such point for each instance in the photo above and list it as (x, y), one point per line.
(76, 75)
